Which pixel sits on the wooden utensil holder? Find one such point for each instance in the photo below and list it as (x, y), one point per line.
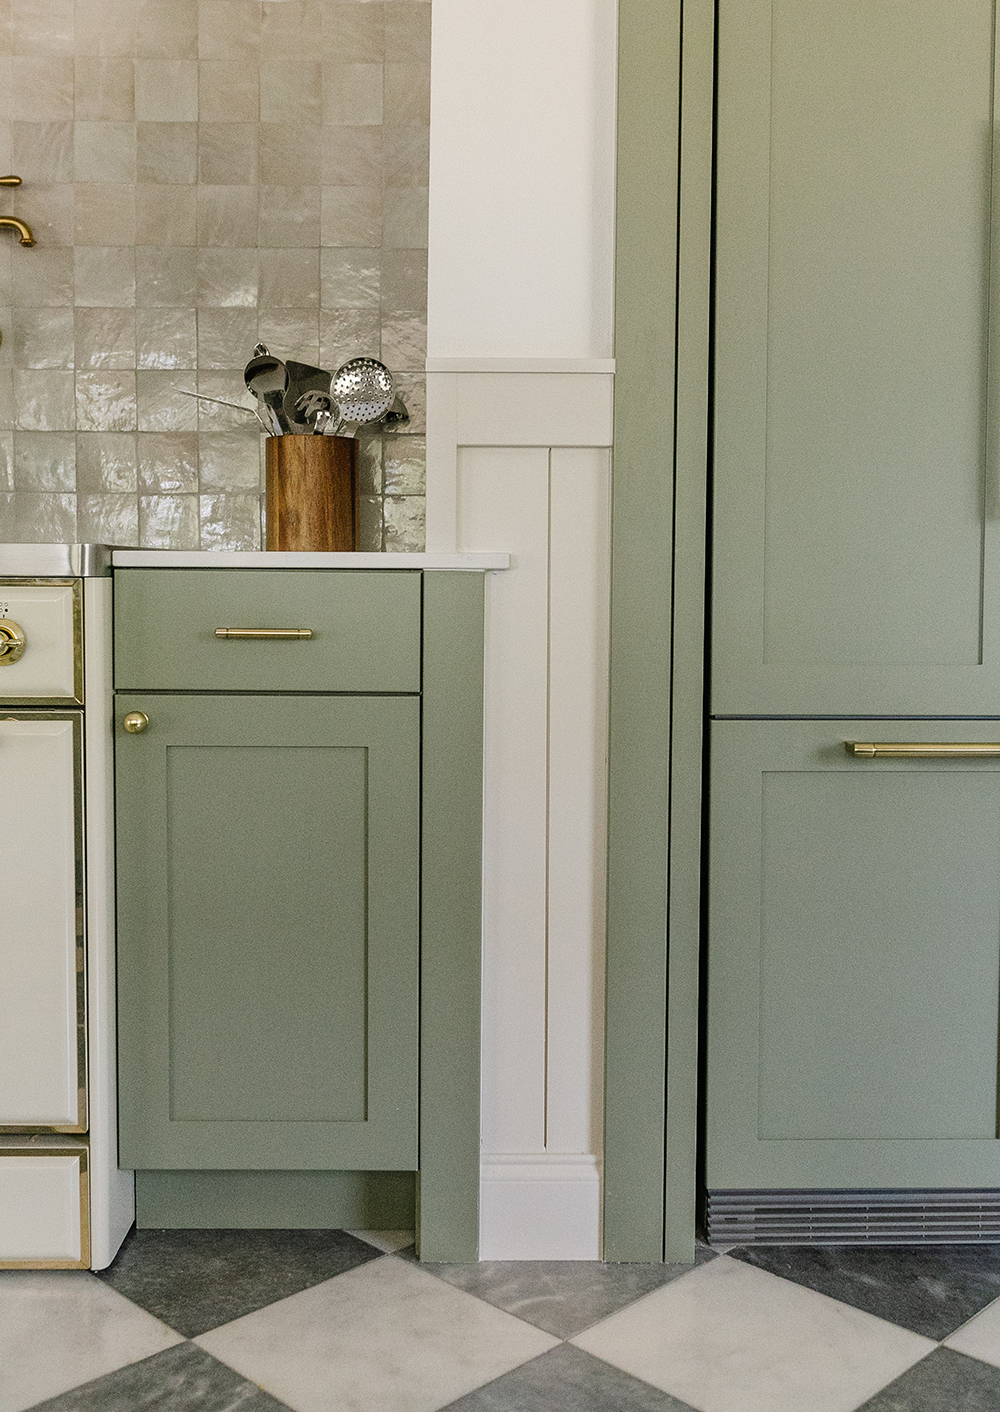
(312, 493)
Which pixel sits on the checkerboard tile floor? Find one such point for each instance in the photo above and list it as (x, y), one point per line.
(336, 1321)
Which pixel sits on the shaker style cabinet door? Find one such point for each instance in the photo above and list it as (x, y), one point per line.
(268, 858)
(42, 1054)
(854, 959)
(857, 395)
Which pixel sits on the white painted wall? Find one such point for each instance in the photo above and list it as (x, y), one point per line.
(519, 426)
(521, 235)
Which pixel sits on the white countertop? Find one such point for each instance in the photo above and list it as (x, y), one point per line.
(274, 559)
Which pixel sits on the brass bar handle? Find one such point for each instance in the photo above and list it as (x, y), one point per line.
(922, 750)
(266, 634)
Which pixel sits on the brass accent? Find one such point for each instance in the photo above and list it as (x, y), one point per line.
(12, 1147)
(12, 642)
(79, 889)
(923, 750)
(10, 181)
(12, 223)
(136, 722)
(265, 634)
(76, 585)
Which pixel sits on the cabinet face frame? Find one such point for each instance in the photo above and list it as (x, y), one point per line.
(76, 720)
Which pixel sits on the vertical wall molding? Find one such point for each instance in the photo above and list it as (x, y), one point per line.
(522, 460)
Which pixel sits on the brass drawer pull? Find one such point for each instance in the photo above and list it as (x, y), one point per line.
(262, 634)
(925, 750)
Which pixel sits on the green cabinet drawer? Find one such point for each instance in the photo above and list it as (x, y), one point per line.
(365, 630)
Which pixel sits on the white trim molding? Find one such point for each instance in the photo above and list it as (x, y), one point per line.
(520, 365)
(521, 461)
(540, 1207)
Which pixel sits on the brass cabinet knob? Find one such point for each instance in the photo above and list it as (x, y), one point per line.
(12, 642)
(136, 722)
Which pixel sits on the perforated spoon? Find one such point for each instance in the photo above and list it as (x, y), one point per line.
(363, 390)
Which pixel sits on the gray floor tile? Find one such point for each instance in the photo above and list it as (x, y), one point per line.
(563, 1297)
(196, 1280)
(945, 1381)
(931, 1289)
(567, 1380)
(183, 1379)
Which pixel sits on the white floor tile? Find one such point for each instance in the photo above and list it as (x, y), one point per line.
(980, 1337)
(59, 1328)
(729, 1338)
(385, 1240)
(386, 1337)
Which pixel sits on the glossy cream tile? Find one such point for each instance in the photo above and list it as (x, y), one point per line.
(167, 29)
(291, 333)
(407, 91)
(43, 518)
(728, 1338)
(350, 279)
(226, 214)
(168, 521)
(104, 276)
(165, 215)
(106, 462)
(104, 338)
(227, 153)
(228, 461)
(353, 33)
(291, 155)
(352, 216)
(382, 1338)
(404, 280)
(166, 275)
(228, 29)
(289, 279)
(44, 460)
(6, 460)
(288, 216)
(42, 26)
(41, 89)
(226, 337)
(161, 404)
(43, 400)
(229, 91)
(290, 28)
(43, 278)
(348, 333)
(166, 90)
(104, 215)
(104, 152)
(166, 338)
(404, 224)
(228, 278)
(43, 149)
(167, 152)
(408, 33)
(404, 523)
(352, 94)
(229, 522)
(105, 90)
(291, 90)
(405, 465)
(404, 341)
(167, 463)
(108, 519)
(106, 28)
(41, 338)
(353, 155)
(59, 1328)
(105, 401)
(48, 209)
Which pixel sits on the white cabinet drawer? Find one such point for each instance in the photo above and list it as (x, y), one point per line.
(44, 1204)
(41, 940)
(49, 668)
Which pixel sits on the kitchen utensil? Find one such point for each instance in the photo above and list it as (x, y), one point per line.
(302, 378)
(237, 406)
(315, 409)
(396, 418)
(363, 390)
(267, 378)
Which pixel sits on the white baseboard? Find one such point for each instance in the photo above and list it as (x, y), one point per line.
(540, 1206)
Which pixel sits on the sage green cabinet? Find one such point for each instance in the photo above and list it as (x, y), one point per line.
(268, 859)
(854, 921)
(854, 959)
(857, 459)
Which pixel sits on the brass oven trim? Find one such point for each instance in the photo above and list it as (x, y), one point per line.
(77, 586)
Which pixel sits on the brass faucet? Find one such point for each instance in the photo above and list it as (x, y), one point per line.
(11, 222)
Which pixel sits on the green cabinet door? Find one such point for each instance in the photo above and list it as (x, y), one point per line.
(857, 474)
(268, 913)
(854, 959)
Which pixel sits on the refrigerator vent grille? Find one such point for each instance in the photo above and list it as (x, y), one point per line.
(852, 1217)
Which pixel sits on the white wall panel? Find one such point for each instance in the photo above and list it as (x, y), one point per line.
(503, 496)
(521, 179)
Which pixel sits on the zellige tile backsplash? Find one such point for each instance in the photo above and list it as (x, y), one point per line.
(200, 175)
